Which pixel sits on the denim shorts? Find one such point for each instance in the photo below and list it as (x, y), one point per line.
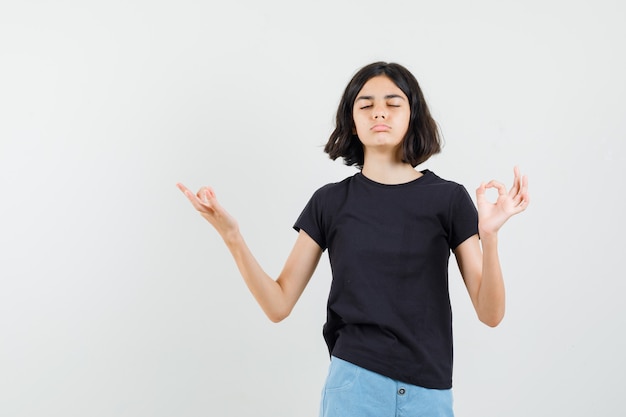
(352, 391)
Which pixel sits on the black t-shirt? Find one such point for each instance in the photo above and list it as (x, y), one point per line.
(389, 246)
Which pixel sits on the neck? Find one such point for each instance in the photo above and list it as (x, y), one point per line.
(387, 170)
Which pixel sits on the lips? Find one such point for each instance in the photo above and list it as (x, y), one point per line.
(380, 128)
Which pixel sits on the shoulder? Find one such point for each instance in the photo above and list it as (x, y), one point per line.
(324, 202)
(434, 179)
(447, 195)
(443, 185)
(334, 188)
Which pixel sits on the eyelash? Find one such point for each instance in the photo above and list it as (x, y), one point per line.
(390, 105)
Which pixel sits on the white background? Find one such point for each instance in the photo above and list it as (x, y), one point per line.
(117, 299)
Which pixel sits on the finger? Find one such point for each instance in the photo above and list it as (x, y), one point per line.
(181, 187)
(524, 195)
(197, 202)
(188, 193)
(521, 206)
(201, 194)
(208, 199)
(480, 193)
(498, 186)
(195, 199)
(522, 199)
(515, 188)
(524, 184)
(207, 195)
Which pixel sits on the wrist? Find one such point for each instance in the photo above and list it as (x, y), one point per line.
(487, 236)
(232, 237)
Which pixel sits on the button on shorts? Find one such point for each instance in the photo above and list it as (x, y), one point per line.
(351, 391)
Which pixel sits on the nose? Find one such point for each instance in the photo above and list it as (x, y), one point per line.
(379, 113)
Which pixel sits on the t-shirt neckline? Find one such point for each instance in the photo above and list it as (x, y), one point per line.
(424, 172)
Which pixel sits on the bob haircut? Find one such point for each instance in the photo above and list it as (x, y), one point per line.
(422, 139)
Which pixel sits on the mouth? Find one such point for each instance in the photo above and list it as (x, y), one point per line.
(380, 128)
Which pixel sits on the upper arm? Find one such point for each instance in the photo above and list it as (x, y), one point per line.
(299, 268)
(470, 261)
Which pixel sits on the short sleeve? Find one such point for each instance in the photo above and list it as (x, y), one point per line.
(463, 217)
(311, 219)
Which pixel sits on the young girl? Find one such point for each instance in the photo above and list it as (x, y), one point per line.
(389, 230)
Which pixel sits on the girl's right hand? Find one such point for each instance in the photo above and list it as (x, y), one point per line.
(207, 205)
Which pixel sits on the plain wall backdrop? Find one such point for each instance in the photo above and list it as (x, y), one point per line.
(118, 299)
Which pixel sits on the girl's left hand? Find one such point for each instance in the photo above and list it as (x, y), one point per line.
(491, 216)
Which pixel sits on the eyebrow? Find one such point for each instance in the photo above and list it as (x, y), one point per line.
(387, 97)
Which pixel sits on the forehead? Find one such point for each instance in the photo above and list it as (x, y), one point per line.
(380, 86)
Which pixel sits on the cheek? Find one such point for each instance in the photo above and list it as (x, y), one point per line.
(357, 124)
(406, 121)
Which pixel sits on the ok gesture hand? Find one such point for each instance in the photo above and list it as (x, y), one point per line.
(491, 216)
(207, 205)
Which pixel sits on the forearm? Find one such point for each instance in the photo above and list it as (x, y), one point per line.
(265, 290)
(491, 294)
